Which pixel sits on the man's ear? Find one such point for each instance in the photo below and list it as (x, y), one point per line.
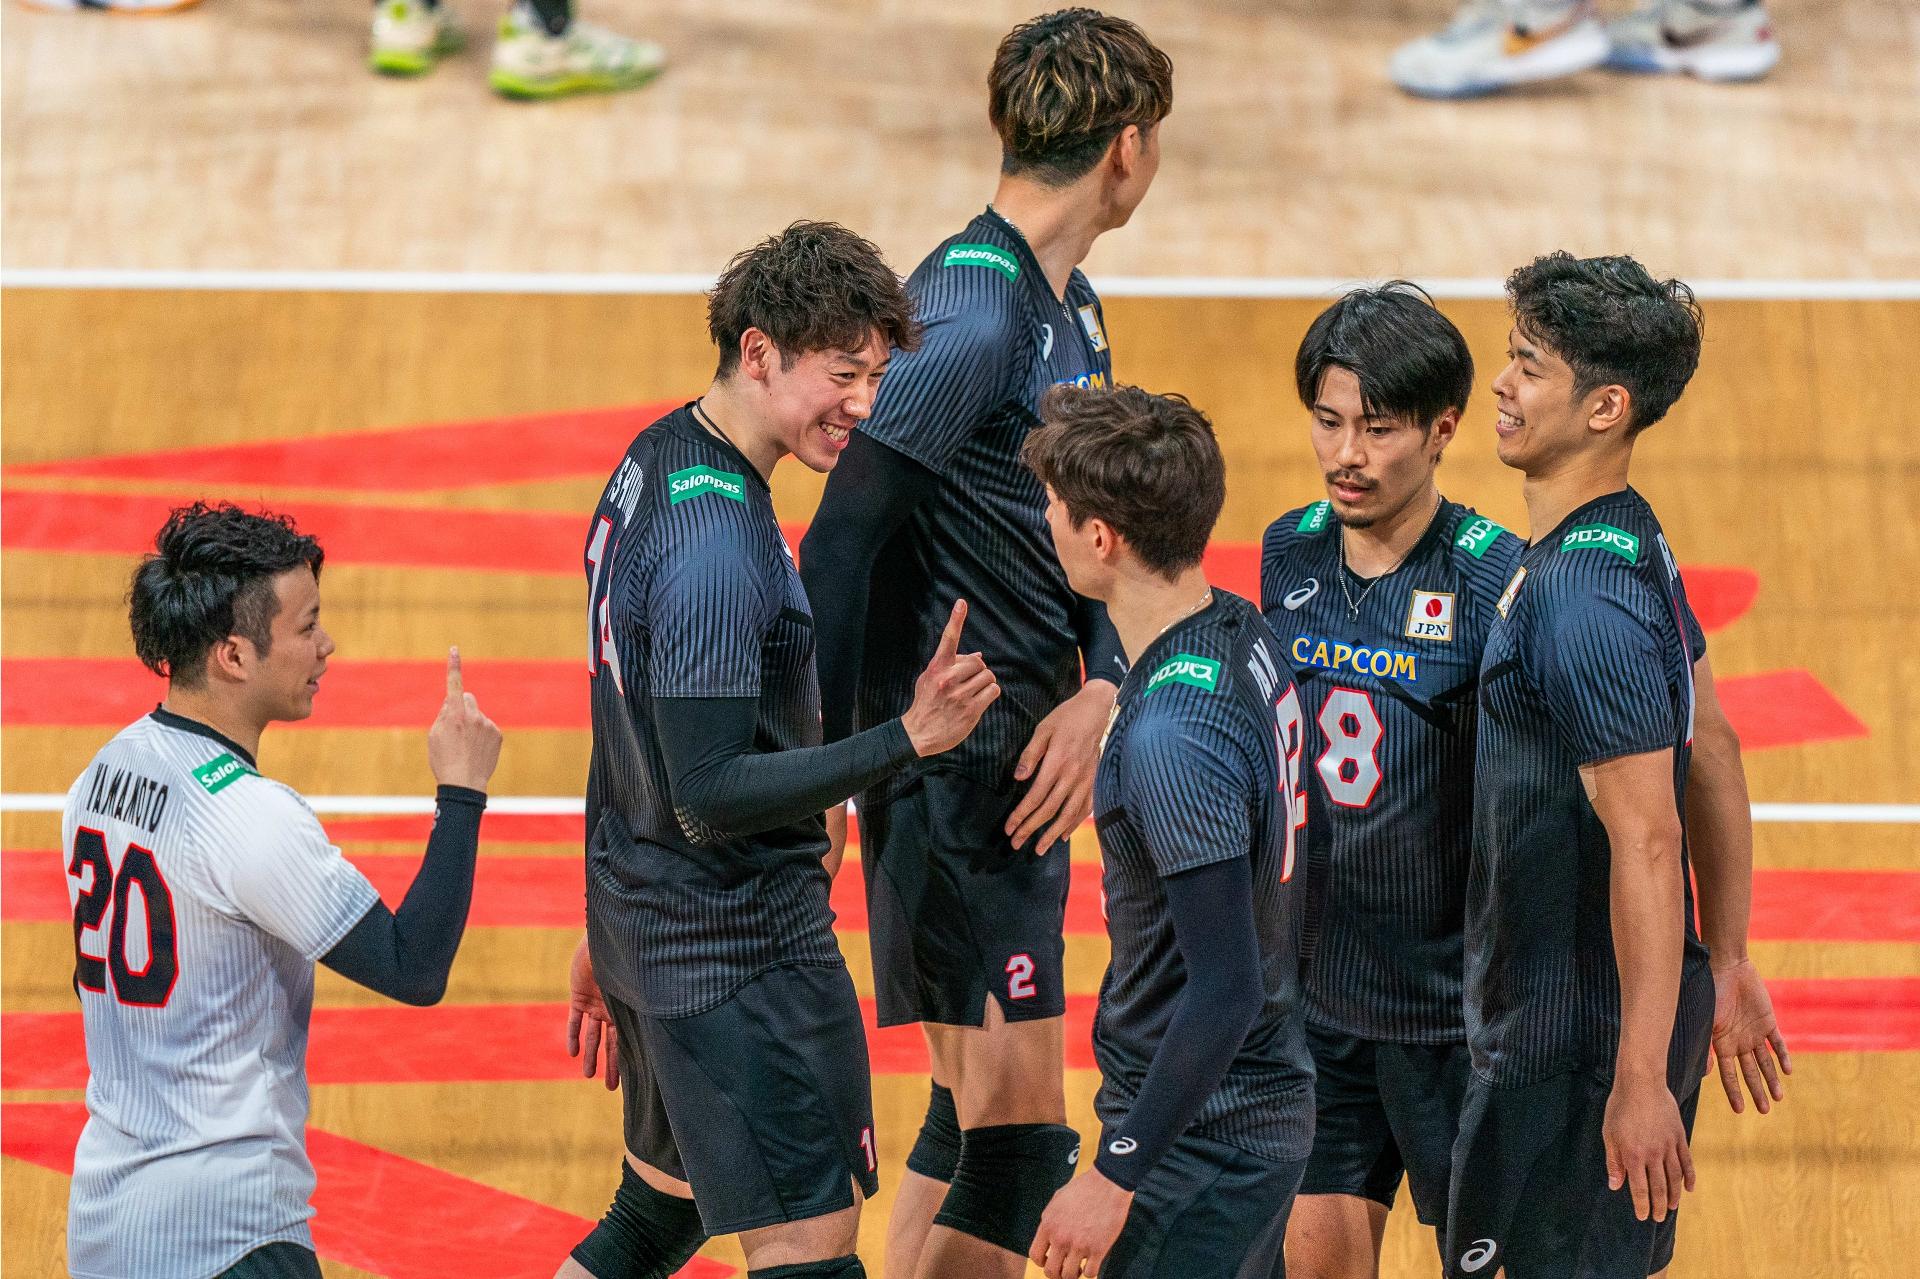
(1445, 427)
(757, 354)
(231, 659)
(1609, 408)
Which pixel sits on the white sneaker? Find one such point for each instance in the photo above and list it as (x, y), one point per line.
(530, 63)
(1490, 46)
(409, 37)
(1704, 40)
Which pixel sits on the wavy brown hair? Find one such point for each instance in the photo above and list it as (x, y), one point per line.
(1146, 464)
(1064, 85)
(816, 286)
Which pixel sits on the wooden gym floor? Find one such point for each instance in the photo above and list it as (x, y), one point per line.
(447, 446)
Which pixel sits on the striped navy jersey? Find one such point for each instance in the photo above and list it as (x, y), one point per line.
(202, 894)
(1388, 671)
(1591, 658)
(996, 338)
(694, 594)
(1201, 765)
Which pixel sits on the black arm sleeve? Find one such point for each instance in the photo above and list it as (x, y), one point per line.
(872, 491)
(407, 954)
(1100, 649)
(724, 783)
(1213, 926)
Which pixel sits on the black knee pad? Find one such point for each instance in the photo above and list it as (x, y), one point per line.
(646, 1234)
(936, 1151)
(837, 1268)
(1006, 1175)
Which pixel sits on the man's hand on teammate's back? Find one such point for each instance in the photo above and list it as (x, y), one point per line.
(1747, 1039)
(1061, 759)
(463, 746)
(951, 694)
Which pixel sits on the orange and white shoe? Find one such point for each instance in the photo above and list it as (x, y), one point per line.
(126, 8)
(1493, 45)
(1712, 41)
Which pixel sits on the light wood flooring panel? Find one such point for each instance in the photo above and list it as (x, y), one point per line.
(249, 134)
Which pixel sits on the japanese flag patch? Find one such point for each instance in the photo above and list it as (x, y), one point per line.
(1430, 616)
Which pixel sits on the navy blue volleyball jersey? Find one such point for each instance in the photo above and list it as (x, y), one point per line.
(996, 338)
(1389, 692)
(1591, 658)
(1201, 765)
(694, 594)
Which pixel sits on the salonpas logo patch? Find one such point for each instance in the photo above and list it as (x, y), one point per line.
(220, 772)
(695, 480)
(1477, 535)
(1314, 518)
(1602, 537)
(1185, 668)
(987, 255)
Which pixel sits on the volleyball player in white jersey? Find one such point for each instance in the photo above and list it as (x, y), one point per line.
(203, 893)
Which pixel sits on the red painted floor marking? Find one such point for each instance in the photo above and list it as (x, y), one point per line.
(510, 450)
(1836, 905)
(376, 1210)
(500, 828)
(353, 694)
(550, 543)
(1785, 708)
(484, 1043)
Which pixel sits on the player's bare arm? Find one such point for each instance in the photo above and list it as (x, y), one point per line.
(1747, 1044)
(1646, 1143)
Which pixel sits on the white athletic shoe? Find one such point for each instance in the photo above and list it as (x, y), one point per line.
(141, 7)
(1710, 41)
(530, 63)
(1490, 46)
(409, 37)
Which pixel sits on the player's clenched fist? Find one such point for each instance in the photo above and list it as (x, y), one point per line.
(463, 746)
(951, 694)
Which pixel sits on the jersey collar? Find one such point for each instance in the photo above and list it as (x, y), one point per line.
(161, 715)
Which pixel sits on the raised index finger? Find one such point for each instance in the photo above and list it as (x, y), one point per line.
(950, 638)
(454, 687)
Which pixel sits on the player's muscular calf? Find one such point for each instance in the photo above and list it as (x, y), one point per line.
(951, 694)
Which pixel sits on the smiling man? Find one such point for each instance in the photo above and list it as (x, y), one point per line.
(710, 943)
(203, 892)
(1604, 760)
(1382, 595)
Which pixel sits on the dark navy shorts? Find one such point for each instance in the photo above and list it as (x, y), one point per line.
(763, 1104)
(276, 1261)
(1383, 1110)
(1530, 1187)
(1207, 1210)
(955, 914)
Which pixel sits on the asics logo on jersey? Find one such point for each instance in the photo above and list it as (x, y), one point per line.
(1185, 668)
(1295, 598)
(695, 480)
(982, 255)
(1046, 341)
(1073, 1160)
(1122, 1146)
(1602, 537)
(1381, 663)
(1476, 1257)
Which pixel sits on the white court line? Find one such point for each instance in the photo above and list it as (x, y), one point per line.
(1119, 286)
(568, 805)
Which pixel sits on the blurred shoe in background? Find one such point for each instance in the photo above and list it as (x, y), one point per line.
(1711, 39)
(410, 36)
(1495, 44)
(532, 61)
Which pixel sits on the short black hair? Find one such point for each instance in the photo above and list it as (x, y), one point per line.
(1614, 324)
(1411, 362)
(1148, 465)
(211, 576)
(816, 286)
